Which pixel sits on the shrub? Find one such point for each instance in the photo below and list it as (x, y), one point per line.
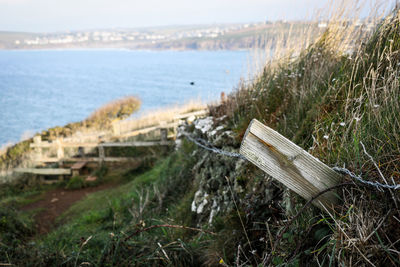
(117, 109)
(76, 182)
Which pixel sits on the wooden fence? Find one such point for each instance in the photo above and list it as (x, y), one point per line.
(121, 130)
(129, 128)
(59, 145)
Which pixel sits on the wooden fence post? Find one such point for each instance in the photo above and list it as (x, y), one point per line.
(101, 153)
(164, 134)
(60, 149)
(37, 140)
(290, 164)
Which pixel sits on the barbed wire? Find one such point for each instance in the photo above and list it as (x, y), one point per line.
(379, 186)
(200, 142)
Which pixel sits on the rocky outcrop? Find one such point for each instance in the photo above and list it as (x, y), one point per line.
(221, 181)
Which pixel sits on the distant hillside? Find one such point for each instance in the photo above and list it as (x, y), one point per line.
(14, 40)
(202, 37)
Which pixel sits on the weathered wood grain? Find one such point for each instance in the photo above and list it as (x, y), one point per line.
(44, 171)
(148, 129)
(138, 144)
(90, 159)
(288, 163)
(116, 144)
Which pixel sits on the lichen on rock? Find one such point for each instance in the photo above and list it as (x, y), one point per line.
(220, 179)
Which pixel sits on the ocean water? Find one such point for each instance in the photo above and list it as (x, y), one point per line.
(42, 89)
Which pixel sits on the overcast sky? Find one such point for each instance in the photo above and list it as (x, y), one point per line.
(61, 15)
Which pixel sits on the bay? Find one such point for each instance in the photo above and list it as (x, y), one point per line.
(46, 88)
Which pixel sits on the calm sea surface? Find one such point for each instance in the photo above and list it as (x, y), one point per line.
(42, 89)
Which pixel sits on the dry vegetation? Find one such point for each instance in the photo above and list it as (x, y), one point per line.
(338, 94)
(115, 110)
(155, 117)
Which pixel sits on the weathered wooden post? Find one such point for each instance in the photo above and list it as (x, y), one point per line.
(101, 154)
(290, 164)
(164, 134)
(60, 149)
(37, 140)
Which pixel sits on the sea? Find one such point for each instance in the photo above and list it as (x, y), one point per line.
(40, 89)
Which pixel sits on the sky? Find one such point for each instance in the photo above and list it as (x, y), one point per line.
(63, 15)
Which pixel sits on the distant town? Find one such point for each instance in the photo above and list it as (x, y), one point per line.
(107, 36)
(221, 36)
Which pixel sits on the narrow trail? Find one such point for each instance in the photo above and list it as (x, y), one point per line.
(56, 202)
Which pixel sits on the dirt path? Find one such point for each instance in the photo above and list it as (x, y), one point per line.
(57, 201)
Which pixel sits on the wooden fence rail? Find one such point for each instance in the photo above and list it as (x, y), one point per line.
(60, 144)
(162, 127)
(38, 145)
(128, 128)
(44, 171)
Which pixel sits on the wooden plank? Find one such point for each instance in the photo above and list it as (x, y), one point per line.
(44, 144)
(79, 165)
(148, 129)
(50, 160)
(44, 171)
(187, 115)
(289, 163)
(116, 144)
(89, 159)
(137, 144)
(64, 144)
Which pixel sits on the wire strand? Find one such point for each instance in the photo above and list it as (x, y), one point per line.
(201, 143)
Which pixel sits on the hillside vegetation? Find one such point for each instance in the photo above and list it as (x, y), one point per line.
(100, 119)
(194, 207)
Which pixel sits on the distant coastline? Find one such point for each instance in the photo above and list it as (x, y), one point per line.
(177, 38)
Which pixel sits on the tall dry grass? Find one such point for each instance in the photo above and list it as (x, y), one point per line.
(156, 117)
(115, 110)
(346, 22)
(339, 92)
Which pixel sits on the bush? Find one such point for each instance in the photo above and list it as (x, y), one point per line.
(118, 109)
(76, 182)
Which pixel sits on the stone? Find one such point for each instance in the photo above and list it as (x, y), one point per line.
(204, 125)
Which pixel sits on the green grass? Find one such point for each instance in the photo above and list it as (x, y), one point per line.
(108, 216)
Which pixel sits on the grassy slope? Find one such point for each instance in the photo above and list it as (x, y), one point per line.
(326, 102)
(99, 119)
(329, 104)
(107, 216)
